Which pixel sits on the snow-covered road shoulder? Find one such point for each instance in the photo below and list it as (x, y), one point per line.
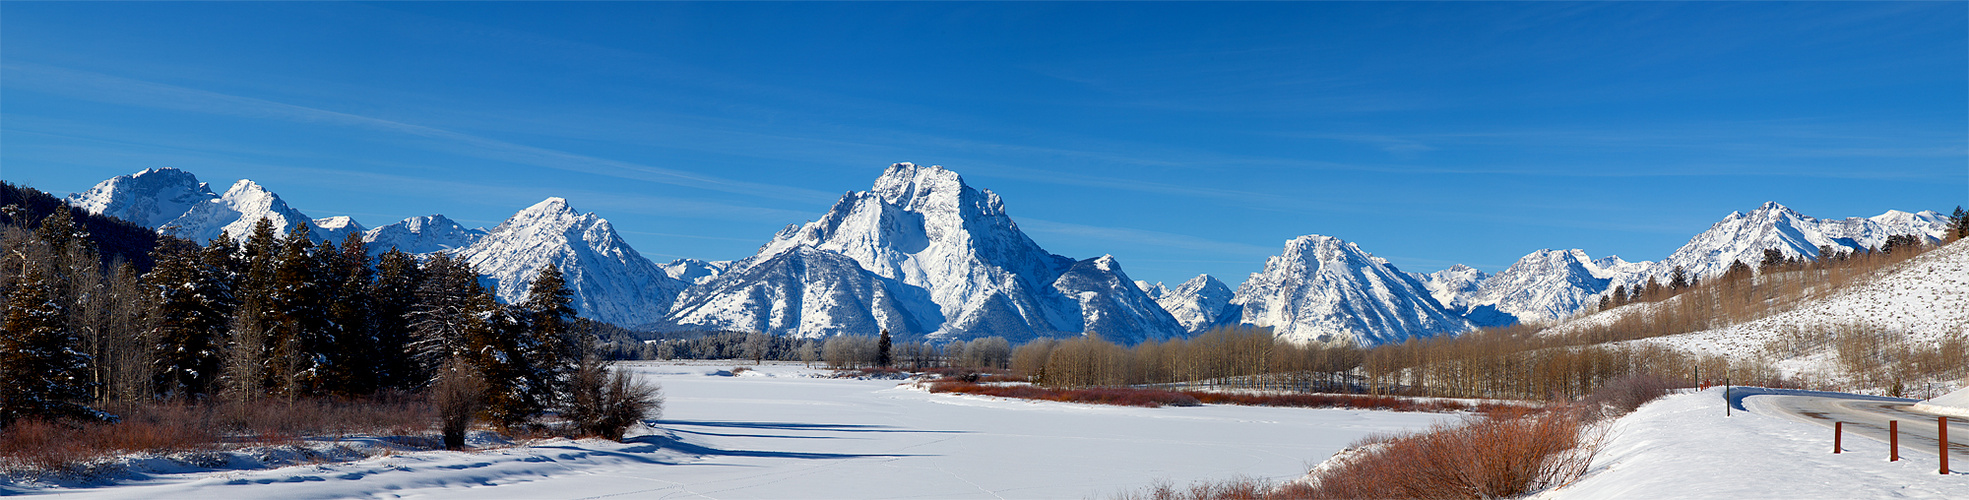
(1682, 446)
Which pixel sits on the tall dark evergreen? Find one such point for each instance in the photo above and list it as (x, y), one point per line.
(190, 309)
(392, 296)
(299, 318)
(249, 348)
(548, 312)
(42, 373)
(883, 358)
(1678, 279)
(446, 317)
(1959, 223)
(353, 349)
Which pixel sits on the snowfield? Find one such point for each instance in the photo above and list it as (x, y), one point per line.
(1682, 446)
(775, 432)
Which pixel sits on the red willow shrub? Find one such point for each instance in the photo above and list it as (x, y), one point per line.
(1506, 454)
(1362, 402)
(1509, 453)
(1148, 398)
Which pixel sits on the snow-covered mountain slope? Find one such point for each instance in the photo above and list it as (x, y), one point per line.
(338, 227)
(804, 292)
(419, 235)
(1200, 304)
(1453, 287)
(174, 202)
(693, 270)
(1742, 236)
(1128, 318)
(1322, 289)
(610, 281)
(1545, 286)
(923, 227)
(1549, 285)
(152, 198)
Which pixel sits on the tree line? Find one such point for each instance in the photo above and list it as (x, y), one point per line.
(280, 317)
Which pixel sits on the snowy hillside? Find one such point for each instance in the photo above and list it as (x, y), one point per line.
(934, 236)
(421, 235)
(1921, 300)
(610, 281)
(174, 202)
(1322, 289)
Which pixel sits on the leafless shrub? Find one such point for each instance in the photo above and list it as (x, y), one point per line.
(459, 393)
(1624, 394)
(1494, 456)
(607, 403)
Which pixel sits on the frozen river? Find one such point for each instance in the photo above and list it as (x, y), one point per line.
(775, 433)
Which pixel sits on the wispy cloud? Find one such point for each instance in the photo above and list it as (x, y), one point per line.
(124, 91)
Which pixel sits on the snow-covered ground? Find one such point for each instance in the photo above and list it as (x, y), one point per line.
(1682, 446)
(773, 432)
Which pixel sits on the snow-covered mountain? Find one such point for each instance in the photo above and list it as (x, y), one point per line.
(610, 281)
(174, 202)
(1453, 287)
(947, 256)
(1548, 285)
(1742, 236)
(1545, 286)
(420, 235)
(1322, 289)
(1199, 304)
(693, 270)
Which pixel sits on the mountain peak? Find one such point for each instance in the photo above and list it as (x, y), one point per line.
(1324, 289)
(553, 204)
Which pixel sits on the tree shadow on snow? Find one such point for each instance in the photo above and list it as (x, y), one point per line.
(654, 442)
(792, 426)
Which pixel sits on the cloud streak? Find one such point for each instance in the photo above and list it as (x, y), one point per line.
(124, 91)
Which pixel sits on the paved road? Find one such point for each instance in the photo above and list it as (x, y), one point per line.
(1864, 416)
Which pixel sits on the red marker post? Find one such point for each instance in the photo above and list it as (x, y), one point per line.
(1894, 440)
(1837, 429)
(1942, 423)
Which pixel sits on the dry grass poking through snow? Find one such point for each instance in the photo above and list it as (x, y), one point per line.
(165, 428)
(1494, 455)
(1504, 451)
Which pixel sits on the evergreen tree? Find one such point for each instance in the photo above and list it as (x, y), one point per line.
(548, 310)
(1619, 295)
(1679, 279)
(190, 307)
(1772, 259)
(392, 295)
(1960, 220)
(445, 315)
(249, 343)
(1738, 270)
(354, 349)
(41, 371)
(298, 322)
(882, 356)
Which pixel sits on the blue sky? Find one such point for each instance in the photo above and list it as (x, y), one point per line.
(1183, 138)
